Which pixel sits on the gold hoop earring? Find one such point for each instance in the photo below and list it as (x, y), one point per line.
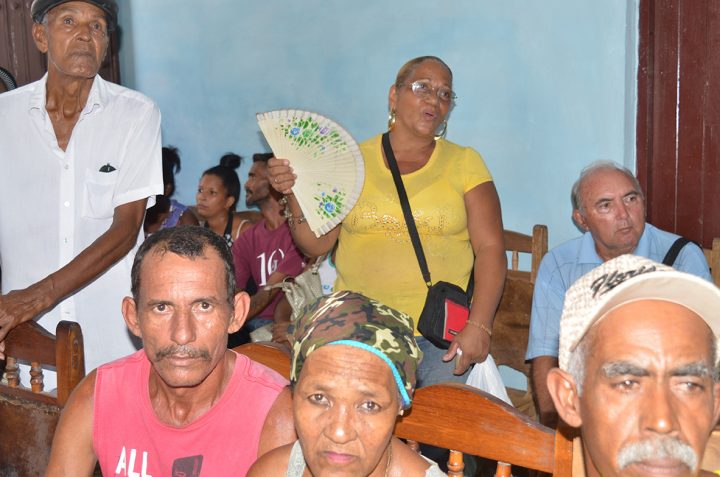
(443, 131)
(391, 120)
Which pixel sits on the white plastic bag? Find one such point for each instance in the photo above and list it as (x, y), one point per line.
(486, 377)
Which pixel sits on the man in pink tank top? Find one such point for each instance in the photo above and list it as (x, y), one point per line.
(184, 404)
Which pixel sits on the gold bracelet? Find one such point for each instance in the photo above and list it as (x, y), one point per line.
(481, 326)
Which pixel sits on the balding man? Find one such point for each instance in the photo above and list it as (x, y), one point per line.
(609, 206)
(184, 404)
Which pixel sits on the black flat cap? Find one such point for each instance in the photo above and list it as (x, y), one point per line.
(40, 7)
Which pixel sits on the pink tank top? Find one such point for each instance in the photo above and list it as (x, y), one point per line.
(130, 441)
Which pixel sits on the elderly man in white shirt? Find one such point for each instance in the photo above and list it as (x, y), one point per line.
(80, 159)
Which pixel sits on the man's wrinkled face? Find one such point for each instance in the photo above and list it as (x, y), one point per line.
(182, 315)
(75, 39)
(649, 398)
(613, 211)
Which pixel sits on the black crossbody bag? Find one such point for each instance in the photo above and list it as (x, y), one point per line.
(447, 306)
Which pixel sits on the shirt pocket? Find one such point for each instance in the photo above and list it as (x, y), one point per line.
(98, 194)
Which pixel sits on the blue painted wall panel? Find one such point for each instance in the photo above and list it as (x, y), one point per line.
(544, 87)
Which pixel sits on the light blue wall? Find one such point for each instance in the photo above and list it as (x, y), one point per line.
(544, 87)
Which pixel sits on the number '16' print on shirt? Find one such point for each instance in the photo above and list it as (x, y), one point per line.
(269, 265)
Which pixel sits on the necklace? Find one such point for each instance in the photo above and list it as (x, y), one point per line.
(387, 465)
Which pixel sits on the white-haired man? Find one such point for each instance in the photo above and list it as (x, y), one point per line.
(638, 357)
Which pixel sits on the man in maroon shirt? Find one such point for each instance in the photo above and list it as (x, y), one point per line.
(265, 251)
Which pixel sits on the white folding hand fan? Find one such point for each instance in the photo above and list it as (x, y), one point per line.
(326, 159)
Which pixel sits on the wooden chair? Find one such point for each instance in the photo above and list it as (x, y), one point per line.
(536, 245)
(712, 255)
(29, 415)
(467, 420)
(272, 355)
(455, 416)
(512, 319)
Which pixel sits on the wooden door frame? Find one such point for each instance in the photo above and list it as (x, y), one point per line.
(678, 122)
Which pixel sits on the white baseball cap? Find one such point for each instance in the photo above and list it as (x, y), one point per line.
(627, 279)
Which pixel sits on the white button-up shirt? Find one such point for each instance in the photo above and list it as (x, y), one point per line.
(55, 203)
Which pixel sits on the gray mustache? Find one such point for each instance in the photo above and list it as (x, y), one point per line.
(664, 447)
(186, 351)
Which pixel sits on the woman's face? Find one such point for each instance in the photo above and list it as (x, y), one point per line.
(212, 197)
(345, 404)
(415, 113)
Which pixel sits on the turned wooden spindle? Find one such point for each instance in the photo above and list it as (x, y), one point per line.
(503, 470)
(12, 374)
(455, 464)
(36, 377)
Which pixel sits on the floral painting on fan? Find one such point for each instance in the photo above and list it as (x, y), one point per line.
(330, 205)
(326, 160)
(309, 133)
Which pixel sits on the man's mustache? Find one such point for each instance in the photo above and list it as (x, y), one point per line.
(184, 351)
(660, 448)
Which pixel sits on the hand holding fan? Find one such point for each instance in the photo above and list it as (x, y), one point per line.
(326, 159)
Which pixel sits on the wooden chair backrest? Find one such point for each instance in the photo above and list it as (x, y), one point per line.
(536, 245)
(29, 415)
(712, 255)
(467, 420)
(512, 319)
(459, 417)
(272, 355)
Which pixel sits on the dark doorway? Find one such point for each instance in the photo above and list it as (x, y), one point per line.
(678, 128)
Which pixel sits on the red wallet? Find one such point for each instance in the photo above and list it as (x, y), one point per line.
(455, 318)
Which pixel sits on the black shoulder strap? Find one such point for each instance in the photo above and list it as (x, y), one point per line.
(407, 212)
(674, 251)
(410, 221)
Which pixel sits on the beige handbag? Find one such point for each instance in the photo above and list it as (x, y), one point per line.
(303, 289)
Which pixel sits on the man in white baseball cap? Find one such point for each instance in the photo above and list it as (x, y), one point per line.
(638, 358)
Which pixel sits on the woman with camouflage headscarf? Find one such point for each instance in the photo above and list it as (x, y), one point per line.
(353, 372)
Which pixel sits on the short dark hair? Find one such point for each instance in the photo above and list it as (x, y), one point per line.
(171, 166)
(226, 172)
(189, 241)
(263, 156)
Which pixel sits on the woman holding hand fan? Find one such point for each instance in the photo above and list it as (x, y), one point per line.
(456, 210)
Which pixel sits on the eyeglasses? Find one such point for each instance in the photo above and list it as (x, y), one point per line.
(424, 88)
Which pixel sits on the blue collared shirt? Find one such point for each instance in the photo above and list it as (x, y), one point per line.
(569, 261)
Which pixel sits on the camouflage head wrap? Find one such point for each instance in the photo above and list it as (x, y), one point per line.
(352, 319)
